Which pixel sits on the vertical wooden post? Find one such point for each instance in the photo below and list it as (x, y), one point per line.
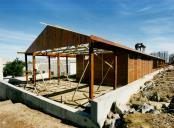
(58, 68)
(49, 68)
(67, 65)
(115, 71)
(26, 68)
(34, 70)
(91, 81)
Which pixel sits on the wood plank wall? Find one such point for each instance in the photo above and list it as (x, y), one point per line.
(130, 67)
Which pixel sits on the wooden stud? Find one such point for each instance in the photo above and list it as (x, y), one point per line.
(67, 65)
(49, 68)
(34, 70)
(58, 69)
(26, 68)
(91, 81)
(115, 71)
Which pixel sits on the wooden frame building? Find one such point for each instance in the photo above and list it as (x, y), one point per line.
(99, 61)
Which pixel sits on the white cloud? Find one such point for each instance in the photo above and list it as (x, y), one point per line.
(13, 41)
(145, 9)
(10, 35)
(159, 34)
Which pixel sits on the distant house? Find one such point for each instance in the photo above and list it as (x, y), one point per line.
(161, 54)
(171, 59)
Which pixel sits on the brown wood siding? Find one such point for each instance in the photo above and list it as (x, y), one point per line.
(109, 80)
(52, 37)
(130, 68)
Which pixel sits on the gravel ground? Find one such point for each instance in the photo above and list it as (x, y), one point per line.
(20, 116)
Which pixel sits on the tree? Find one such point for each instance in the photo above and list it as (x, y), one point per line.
(14, 68)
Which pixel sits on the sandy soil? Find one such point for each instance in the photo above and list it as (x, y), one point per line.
(20, 116)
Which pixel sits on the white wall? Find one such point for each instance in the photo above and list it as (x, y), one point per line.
(42, 66)
(1, 69)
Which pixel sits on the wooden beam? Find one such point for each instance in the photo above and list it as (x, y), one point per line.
(91, 81)
(67, 65)
(58, 69)
(34, 70)
(54, 54)
(26, 67)
(115, 71)
(49, 68)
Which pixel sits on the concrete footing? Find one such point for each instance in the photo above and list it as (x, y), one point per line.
(8, 91)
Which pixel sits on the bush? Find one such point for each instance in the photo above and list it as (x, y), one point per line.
(14, 68)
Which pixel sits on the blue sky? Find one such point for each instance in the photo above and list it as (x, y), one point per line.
(124, 21)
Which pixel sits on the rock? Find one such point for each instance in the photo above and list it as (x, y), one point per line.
(136, 104)
(115, 109)
(110, 115)
(171, 105)
(155, 97)
(165, 105)
(115, 116)
(164, 99)
(119, 123)
(148, 84)
(157, 105)
(131, 111)
(145, 108)
(108, 123)
(154, 111)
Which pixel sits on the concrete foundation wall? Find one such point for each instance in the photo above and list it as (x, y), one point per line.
(8, 91)
(101, 106)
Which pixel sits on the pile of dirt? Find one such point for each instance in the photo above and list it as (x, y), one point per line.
(160, 89)
(153, 106)
(20, 116)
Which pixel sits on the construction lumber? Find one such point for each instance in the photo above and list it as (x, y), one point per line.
(91, 81)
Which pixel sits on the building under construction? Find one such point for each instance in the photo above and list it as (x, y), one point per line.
(99, 61)
(105, 76)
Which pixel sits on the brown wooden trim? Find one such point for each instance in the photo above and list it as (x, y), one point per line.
(91, 81)
(26, 67)
(67, 65)
(115, 72)
(53, 54)
(58, 69)
(49, 68)
(34, 70)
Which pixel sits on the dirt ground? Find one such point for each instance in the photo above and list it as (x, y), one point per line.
(158, 94)
(20, 116)
(148, 120)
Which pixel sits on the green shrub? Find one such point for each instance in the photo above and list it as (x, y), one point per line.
(14, 68)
